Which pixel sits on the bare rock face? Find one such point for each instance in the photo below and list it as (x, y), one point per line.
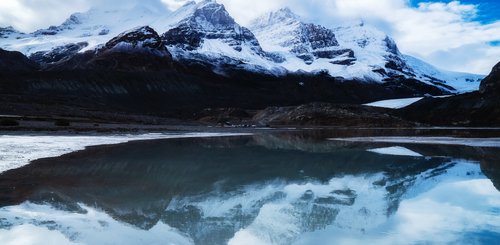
(210, 20)
(6, 32)
(491, 84)
(142, 39)
(140, 49)
(57, 54)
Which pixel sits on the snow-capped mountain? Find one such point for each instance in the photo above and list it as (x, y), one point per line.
(352, 51)
(206, 32)
(93, 27)
(277, 43)
(283, 32)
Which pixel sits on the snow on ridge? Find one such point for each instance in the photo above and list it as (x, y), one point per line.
(95, 26)
(462, 82)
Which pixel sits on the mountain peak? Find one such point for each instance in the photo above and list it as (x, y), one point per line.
(140, 38)
(283, 16)
(285, 12)
(214, 13)
(283, 31)
(207, 31)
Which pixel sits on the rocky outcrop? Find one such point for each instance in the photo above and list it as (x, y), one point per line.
(491, 84)
(57, 54)
(325, 114)
(139, 40)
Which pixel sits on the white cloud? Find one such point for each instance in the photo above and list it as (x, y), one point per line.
(27, 15)
(432, 31)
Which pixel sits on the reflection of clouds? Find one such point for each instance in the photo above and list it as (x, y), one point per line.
(449, 213)
(349, 202)
(30, 234)
(41, 224)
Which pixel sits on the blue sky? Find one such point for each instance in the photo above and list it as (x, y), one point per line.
(454, 35)
(488, 10)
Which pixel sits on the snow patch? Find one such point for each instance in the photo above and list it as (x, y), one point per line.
(396, 151)
(19, 150)
(476, 142)
(395, 103)
(42, 224)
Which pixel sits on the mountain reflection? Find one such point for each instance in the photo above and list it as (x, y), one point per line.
(211, 188)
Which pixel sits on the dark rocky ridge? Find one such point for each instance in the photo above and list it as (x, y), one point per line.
(324, 114)
(140, 49)
(141, 39)
(57, 54)
(180, 88)
(12, 61)
(481, 108)
(491, 84)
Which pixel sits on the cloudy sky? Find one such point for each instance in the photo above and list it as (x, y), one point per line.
(454, 35)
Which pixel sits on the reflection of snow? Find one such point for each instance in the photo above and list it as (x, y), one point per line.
(460, 212)
(478, 142)
(396, 151)
(41, 224)
(440, 204)
(18, 150)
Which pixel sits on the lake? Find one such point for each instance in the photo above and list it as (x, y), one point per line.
(293, 187)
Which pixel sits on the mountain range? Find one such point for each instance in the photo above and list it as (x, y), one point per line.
(277, 43)
(145, 59)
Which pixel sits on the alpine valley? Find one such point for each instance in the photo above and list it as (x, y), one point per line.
(142, 62)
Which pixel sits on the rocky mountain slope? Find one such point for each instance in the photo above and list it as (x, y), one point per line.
(480, 108)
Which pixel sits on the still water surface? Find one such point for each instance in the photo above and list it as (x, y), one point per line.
(281, 188)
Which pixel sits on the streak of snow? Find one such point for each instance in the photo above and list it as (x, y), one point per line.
(18, 150)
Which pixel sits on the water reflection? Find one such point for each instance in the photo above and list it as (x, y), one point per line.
(270, 189)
